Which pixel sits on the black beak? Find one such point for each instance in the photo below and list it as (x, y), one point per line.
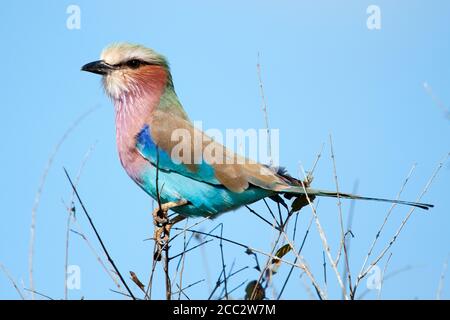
(98, 67)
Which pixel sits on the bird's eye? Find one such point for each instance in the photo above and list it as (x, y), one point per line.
(134, 64)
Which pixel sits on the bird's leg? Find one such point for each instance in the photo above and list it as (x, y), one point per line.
(163, 224)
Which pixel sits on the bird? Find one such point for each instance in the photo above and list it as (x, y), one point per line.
(180, 174)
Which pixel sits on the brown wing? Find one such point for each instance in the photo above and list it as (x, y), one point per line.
(189, 146)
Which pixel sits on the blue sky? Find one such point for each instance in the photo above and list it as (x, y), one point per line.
(323, 71)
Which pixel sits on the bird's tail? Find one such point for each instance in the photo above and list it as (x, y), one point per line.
(332, 194)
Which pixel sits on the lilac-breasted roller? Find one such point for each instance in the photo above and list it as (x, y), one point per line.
(148, 113)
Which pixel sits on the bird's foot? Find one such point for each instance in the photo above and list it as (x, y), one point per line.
(160, 214)
(163, 225)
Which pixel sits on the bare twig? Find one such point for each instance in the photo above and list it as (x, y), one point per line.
(271, 256)
(349, 229)
(436, 100)
(220, 281)
(324, 265)
(187, 287)
(319, 155)
(264, 110)
(305, 268)
(272, 214)
(403, 223)
(39, 293)
(264, 270)
(148, 292)
(441, 280)
(382, 276)
(262, 218)
(10, 278)
(181, 290)
(190, 249)
(377, 236)
(37, 198)
(98, 235)
(183, 231)
(385, 278)
(223, 262)
(97, 257)
(71, 212)
(295, 261)
(324, 239)
(343, 244)
(304, 265)
(234, 289)
(122, 294)
(183, 259)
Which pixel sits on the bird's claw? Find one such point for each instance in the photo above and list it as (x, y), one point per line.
(159, 218)
(163, 225)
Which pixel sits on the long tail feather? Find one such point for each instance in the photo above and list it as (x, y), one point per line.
(333, 194)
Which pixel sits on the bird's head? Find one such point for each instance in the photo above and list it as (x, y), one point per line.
(130, 68)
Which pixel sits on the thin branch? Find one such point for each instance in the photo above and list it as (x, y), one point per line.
(186, 228)
(403, 223)
(324, 239)
(183, 259)
(319, 155)
(349, 229)
(122, 294)
(324, 265)
(264, 110)
(262, 218)
(271, 213)
(38, 293)
(38, 195)
(190, 249)
(271, 256)
(267, 264)
(148, 292)
(97, 257)
(98, 235)
(219, 281)
(386, 277)
(295, 261)
(439, 103)
(377, 236)
(71, 212)
(441, 280)
(223, 262)
(343, 244)
(304, 266)
(181, 290)
(235, 288)
(382, 276)
(10, 278)
(189, 286)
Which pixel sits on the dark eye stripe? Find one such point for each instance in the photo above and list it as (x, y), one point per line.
(126, 63)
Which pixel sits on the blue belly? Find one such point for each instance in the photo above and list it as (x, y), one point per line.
(205, 199)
